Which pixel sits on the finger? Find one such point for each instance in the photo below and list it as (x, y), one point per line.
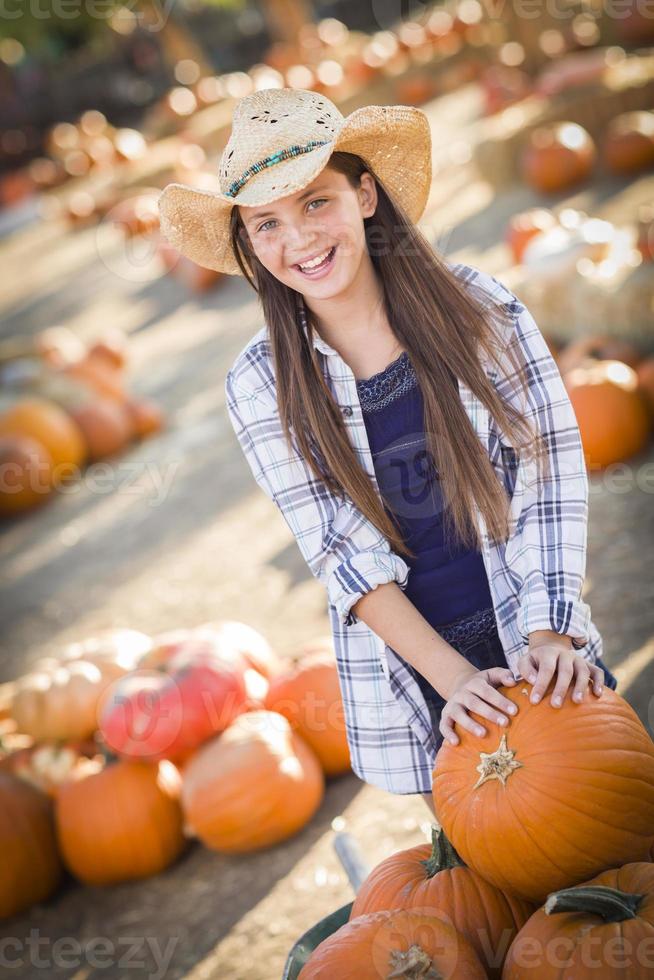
(528, 667)
(564, 675)
(597, 675)
(546, 669)
(499, 675)
(447, 731)
(582, 675)
(481, 707)
(462, 718)
(487, 692)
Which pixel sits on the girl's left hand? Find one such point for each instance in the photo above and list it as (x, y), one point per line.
(546, 660)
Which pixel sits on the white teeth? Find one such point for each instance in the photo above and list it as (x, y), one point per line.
(317, 261)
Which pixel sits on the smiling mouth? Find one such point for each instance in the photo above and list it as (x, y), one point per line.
(311, 270)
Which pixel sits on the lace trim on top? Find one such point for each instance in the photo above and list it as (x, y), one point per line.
(387, 385)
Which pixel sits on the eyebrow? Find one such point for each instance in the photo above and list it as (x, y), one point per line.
(265, 214)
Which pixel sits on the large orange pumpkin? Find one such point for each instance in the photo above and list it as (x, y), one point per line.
(254, 785)
(629, 142)
(612, 414)
(309, 695)
(399, 944)
(558, 155)
(561, 795)
(26, 474)
(53, 427)
(121, 823)
(433, 877)
(30, 867)
(602, 929)
(106, 426)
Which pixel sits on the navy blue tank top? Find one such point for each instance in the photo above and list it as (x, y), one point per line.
(447, 581)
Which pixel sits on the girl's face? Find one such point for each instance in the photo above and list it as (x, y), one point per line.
(323, 221)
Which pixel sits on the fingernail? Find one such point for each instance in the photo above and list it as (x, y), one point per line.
(557, 700)
(578, 696)
(480, 731)
(502, 720)
(513, 709)
(535, 698)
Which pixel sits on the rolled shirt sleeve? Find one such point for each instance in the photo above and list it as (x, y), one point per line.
(546, 549)
(341, 547)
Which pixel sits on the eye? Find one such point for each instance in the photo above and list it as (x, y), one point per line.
(316, 200)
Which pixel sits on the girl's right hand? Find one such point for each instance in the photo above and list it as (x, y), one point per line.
(478, 692)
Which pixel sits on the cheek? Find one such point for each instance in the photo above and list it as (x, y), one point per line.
(269, 253)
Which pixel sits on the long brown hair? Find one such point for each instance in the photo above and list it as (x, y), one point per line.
(440, 324)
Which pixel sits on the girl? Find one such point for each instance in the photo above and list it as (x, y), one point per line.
(407, 418)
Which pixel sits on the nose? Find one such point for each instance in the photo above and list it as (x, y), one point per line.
(298, 241)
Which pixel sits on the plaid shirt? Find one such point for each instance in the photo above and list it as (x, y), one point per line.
(535, 577)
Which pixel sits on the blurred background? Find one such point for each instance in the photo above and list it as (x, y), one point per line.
(137, 552)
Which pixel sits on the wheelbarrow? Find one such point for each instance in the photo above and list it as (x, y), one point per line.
(356, 870)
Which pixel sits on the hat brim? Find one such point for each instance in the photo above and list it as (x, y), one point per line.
(395, 141)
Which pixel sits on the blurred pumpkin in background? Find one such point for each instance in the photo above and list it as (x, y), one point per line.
(30, 868)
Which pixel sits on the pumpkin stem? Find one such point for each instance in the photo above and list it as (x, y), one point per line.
(497, 765)
(106, 753)
(611, 904)
(415, 964)
(443, 855)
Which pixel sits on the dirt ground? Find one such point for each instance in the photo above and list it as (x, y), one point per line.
(175, 533)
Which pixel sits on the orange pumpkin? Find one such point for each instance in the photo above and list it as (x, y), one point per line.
(399, 943)
(254, 785)
(602, 928)
(147, 417)
(557, 156)
(611, 412)
(433, 877)
(120, 823)
(106, 426)
(526, 225)
(26, 474)
(30, 868)
(561, 795)
(51, 426)
(309, 695)
(629, 142)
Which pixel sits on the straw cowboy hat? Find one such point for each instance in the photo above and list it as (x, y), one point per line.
(280, 141)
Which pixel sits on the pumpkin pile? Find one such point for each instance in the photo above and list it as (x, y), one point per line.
(200, 732)
(542, 867)
(67, 405)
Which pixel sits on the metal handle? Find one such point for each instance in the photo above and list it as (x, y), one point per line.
(351, 858)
